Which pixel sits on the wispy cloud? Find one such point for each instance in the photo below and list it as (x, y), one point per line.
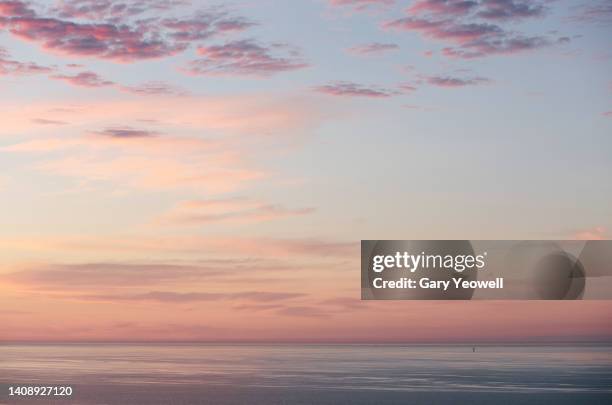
(113, 10)
(245, 57)
(9, 66)
(84, 79)
(253, 114)
(63, 277)
(44, 121)
(234, 210)
(123, 133)
(169, 297)
(155, 89)
(130, 157)
(375, 48)
(350, 89)
(449, 81)
(140, 159)
(237, 247)
(596, 11)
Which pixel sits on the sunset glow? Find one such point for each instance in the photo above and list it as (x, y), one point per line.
(190, 171)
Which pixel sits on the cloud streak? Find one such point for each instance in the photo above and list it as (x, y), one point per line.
(109, 275)
(155, 89)
(245, 58)
(128, 156)
(140, 159)
(44, 121)
(9, 66)
(595, 12)
(235, 210)
(452, 82)
(237, 247)
(84, 79)
(375, 48)
(350, 89)
(126, 133)
(171, 297)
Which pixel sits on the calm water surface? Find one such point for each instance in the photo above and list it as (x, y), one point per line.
(296, 374)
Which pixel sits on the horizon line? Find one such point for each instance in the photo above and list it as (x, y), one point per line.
(321, 342)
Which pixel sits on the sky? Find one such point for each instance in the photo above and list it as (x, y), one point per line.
(204, 171)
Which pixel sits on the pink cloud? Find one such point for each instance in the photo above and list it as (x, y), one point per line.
(213, 172)
(44, 121)
(349, 89)
(254, 114)
(14, 8)
(155, 88)
(445, 29)
(407, 88)
(140, 159)
(84, 79)
(101, 40)
(466, 25)
(126, 133)
(607, 113)
(375, 48)
(448, 81)
(91, 80)
(87, 79)
(234, 210)
(477, 322)
(9, 66)
(116, 38)
(62, 277)
(486, 9)
(245, 57)
(102, 276)
(171, 297)
(237, 247)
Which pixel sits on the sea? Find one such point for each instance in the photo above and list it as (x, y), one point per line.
(296, 374)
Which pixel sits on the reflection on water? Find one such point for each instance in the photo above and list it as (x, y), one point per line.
(334, 366)
(382, 368)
